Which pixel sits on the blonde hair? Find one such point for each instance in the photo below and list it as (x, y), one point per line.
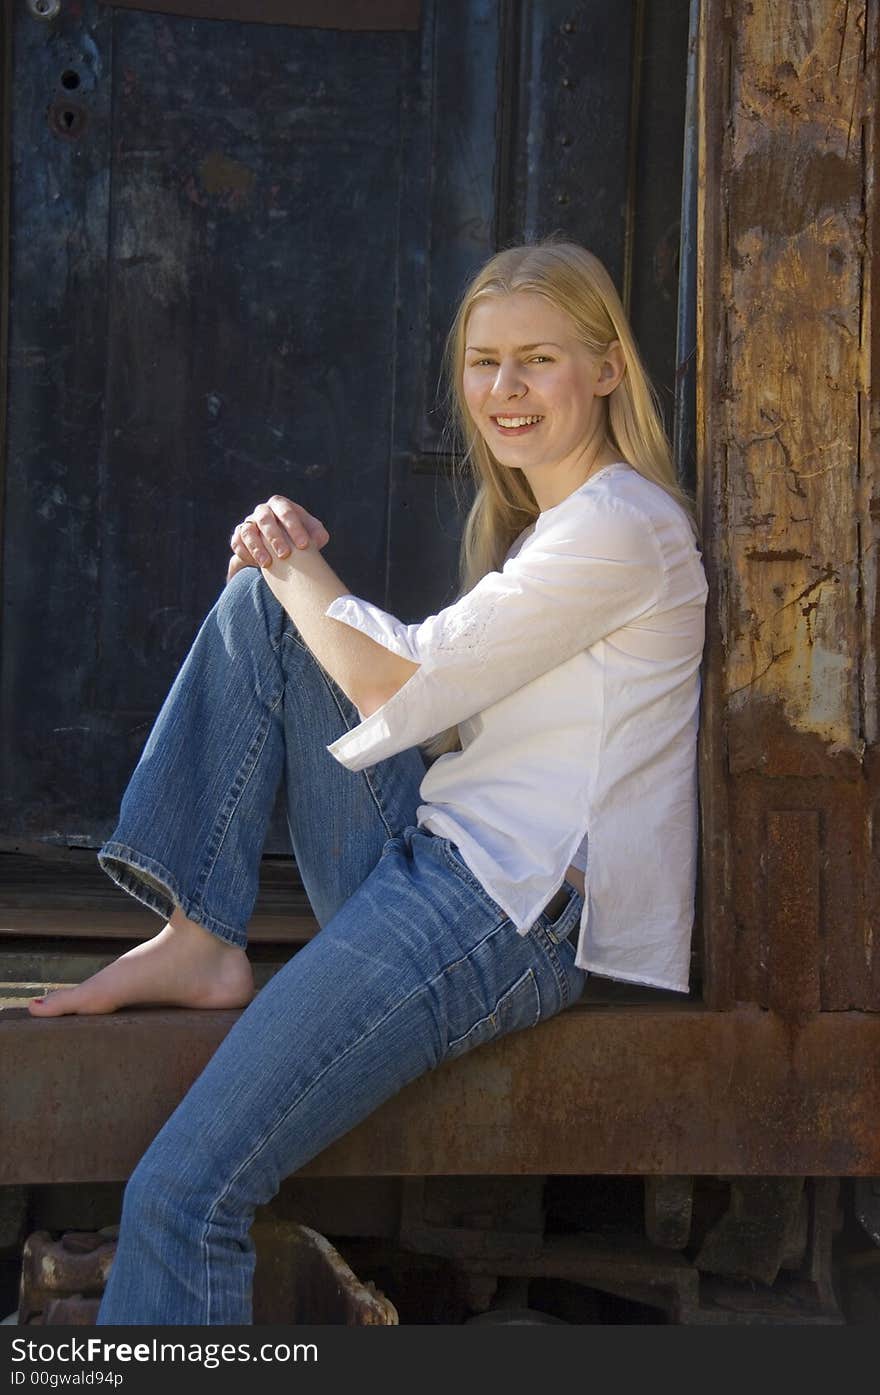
(576, 282)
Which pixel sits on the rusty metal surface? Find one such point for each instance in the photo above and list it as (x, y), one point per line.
(625, 1267)
(300, 1278)
(473, 1217)
(630, 1269)
(790, 769)
(733, 1093)
(73, 1268)
(757, 1232)
(793, 912)
(734, 1278)
(669, 1205)
(75, 1311)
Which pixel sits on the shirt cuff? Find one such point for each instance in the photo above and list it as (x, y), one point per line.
(383, 733)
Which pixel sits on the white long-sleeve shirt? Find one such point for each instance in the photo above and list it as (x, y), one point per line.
(574, 677)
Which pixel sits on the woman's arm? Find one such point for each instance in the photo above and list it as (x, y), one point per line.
(367, 672)
(593, 566)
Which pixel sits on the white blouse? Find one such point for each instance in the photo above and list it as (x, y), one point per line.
(574, 677)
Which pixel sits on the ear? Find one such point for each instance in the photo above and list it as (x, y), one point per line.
(611, 369)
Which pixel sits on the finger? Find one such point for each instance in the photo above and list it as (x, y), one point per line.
(274, 533)
(299, 524)
(252, 538)
(240, 550)
(236, 565)
(243, 556)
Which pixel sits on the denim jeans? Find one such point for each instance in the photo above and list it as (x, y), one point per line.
(414, 963)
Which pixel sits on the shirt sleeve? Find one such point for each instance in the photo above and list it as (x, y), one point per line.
(590, 567)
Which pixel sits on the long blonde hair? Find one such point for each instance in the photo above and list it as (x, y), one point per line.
(576, 282)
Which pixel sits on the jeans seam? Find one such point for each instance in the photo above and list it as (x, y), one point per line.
(267, 1137)
(420, 989)
(233, 800)
(462, 959)
(467, 876)
(528, 976)
(331, 688)
(549, 945)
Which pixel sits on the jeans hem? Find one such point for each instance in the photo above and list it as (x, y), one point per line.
(128, 868)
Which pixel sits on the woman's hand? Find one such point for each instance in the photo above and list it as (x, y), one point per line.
(271, 530)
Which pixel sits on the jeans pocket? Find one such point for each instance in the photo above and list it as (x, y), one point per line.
(559, 926)
(558, 921)
(519, 1007)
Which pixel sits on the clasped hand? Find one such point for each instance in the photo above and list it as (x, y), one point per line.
(272, 530)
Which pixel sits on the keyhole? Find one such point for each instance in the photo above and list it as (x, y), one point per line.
(67, 119)
(70, 80)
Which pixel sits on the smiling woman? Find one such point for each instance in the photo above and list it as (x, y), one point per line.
(484, 806)
(546, 395)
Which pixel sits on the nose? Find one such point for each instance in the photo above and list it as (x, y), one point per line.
(508, 381)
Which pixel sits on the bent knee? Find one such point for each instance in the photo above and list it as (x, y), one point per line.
(246, 608)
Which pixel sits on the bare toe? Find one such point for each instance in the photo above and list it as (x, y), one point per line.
(68, 1000)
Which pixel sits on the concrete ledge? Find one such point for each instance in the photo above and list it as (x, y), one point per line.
(666, 1088)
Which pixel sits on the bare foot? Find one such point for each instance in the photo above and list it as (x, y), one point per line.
(184, 965)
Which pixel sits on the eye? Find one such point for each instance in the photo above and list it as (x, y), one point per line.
(479, 362)
(542, 358)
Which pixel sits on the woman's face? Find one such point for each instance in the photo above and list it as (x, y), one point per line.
(535, 393)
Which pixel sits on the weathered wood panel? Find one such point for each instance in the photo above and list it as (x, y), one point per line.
(319, 14)
(790, 487)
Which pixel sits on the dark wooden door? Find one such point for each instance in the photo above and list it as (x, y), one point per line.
(234, 249)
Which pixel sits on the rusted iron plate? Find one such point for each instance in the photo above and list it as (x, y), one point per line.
(733, 1093)
(669, 1205)
(793, 911)
(57, 1269)
(755, 1236)
(837, 931)
(316, 14)
(465, 1218)
(301, 1278)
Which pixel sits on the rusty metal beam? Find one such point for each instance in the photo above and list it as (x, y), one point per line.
(734, 1093)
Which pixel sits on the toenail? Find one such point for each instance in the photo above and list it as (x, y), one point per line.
(39, 1000)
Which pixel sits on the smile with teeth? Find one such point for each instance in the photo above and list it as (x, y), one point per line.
(509, 423)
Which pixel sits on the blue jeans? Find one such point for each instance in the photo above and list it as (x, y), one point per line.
(414, 963)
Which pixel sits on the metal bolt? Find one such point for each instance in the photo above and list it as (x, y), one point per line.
(562, 198)
(45, 9)
(566, 82)
(568, 27)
